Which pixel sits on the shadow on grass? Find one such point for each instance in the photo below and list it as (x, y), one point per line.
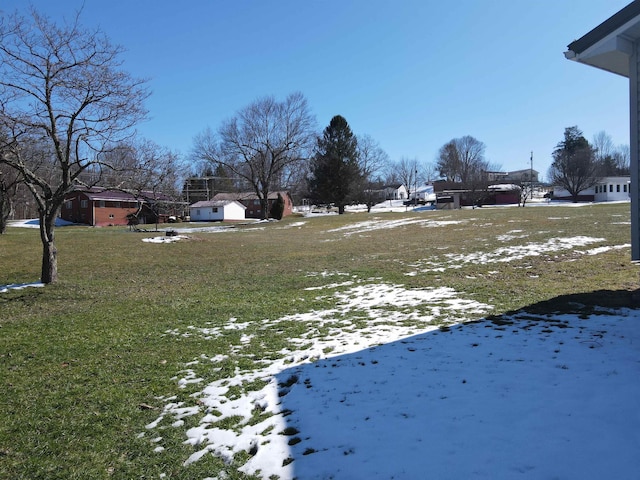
(585, 302)
(549, 391)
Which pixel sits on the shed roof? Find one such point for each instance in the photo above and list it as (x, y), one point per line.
(609, 45)
(215, 203)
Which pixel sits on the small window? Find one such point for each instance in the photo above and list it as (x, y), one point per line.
(84, 203)
(618, 188)
(101, 204)
(611, 188)
(624, 188)
(68, 204)
(198, 212)
(214, 209)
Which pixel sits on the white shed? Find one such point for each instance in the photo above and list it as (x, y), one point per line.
(216, 210)
(612, 189)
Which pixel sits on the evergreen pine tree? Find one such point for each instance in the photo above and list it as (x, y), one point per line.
(335, 171)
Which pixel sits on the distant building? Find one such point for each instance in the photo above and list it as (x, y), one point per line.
(395, 191)
(217, 211)
(103, 207)
(611, 189)
(608, 189)
(424, 193)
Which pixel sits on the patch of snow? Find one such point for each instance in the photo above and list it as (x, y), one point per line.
(35, 223)
(503, 254)
(19, 286)
(165, 239)
(378, 224)
(384, 313)
(598, 250)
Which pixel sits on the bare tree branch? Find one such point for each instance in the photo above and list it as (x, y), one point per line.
(61, 88)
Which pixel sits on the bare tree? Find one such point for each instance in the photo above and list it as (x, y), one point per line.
(429, 171)
(462, 160)
(373, 161)
(262, 143)
(157, 178)
(611, 160)
(407, 171)
(602, 146)
(622, 156)
(62, 85)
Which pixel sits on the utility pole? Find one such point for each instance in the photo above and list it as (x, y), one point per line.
(531, 176)
(415, 189)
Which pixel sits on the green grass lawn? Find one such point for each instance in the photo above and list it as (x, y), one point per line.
(88, 362)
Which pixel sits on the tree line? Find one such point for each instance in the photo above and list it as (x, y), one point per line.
(68, 111)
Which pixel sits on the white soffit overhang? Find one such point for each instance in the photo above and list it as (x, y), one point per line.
(610, 53)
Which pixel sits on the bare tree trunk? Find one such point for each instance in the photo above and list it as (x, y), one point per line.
(49, 250)
(6, 209)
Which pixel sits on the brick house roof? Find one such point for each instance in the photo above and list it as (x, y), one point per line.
(239, 196)
(98, 193)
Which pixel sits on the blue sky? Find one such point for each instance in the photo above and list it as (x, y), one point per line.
(412, 74)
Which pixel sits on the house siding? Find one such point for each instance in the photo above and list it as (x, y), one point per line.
(634, 114)
(79, 208)
(608, 189)
(109, 213)
(103, 207)
(213, 211)
(613, 189)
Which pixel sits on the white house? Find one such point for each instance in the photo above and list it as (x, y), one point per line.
(424, 193)
(610, 189)
(216, 210)
(396, 191)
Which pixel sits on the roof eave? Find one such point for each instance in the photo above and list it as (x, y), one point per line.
(609, 45)
(610, 54)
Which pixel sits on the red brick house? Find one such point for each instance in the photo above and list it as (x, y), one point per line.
(103, 207)
(252, 202)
